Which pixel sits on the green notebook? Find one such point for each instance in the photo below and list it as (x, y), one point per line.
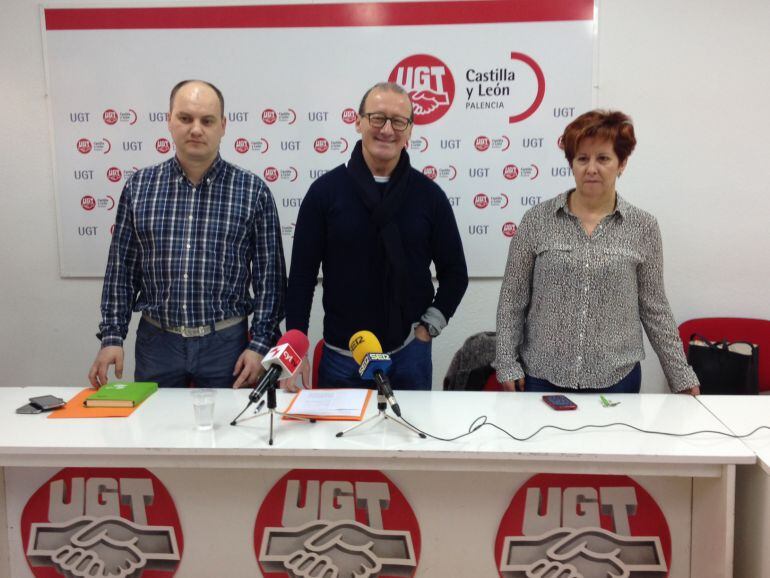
(121, 394)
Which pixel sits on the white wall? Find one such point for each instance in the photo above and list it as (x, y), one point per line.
(693, 74)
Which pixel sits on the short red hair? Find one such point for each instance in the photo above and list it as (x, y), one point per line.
(610, 125)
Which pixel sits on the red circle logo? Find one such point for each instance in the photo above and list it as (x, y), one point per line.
(102, 522)
(583, 525)
(430, 85)
(162, 145)
(242, 146)
(110, 116)
(481, 201)
(431, 172)
(481, 143)
(349, 116)
(269, 116)
(88, 203)
(510, 172)
(271, 174)
(339, 522)
(84, 146)
(321, 145)
(509, 228)
(539, 77)
(114, 174)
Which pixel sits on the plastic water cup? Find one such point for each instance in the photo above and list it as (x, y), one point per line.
(203, 406)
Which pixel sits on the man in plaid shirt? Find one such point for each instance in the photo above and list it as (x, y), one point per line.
(192, 235)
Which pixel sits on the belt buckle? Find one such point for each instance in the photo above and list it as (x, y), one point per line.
(194, 331)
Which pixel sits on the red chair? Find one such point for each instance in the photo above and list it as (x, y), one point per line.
(492, 384)
(734, 329)
(318, 352)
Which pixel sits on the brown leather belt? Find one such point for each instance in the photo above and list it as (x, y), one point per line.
(200, 331)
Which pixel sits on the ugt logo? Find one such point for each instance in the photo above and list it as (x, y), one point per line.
(583, 525)
(346, 524)
(102, 522)
(430, 85)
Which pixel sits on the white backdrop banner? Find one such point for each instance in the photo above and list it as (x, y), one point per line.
(493, 84)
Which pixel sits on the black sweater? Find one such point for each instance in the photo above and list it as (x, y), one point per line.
(334, 230)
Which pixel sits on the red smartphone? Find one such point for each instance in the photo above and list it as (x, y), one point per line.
(559, 402)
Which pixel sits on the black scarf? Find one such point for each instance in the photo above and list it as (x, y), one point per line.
(382, 210)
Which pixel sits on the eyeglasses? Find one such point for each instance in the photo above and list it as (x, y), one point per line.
(378, 120)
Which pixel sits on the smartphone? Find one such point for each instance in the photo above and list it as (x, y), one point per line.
(41, 403)
(29, 408)
(46, 402)
(559, 402)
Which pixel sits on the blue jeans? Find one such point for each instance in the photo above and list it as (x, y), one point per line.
(631, 383)
(411, 368)
(175, 361)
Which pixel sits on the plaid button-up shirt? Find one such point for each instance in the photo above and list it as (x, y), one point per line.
(186, 254)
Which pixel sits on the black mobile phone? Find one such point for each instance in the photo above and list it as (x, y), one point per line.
(559, 402)
(29, 408)
(47, 402)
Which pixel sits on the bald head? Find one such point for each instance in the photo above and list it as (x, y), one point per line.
(193, 83)
(197, 125)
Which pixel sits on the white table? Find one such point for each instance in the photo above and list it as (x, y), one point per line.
(742, 414)
(466, 483)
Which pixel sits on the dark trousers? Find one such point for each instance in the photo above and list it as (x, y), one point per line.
(411, 368)
(631, 383)
(175, 361)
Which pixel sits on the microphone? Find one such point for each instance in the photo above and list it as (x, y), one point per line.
(374, 364)
(281, 361)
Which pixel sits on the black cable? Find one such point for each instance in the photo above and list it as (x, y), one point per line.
(475, 426)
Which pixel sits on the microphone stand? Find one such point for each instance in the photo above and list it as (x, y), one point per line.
(382, 406)
(254, 396)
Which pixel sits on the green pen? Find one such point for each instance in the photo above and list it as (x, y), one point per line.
(607, 403)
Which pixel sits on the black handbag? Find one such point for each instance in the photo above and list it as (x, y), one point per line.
(724, 367)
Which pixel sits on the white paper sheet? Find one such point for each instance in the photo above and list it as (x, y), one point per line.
(329, 402)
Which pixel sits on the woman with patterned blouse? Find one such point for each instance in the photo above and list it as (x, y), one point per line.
(584, 274)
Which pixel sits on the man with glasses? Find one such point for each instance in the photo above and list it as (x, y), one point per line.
(375, 225)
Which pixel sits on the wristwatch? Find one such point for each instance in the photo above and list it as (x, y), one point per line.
(432, 331)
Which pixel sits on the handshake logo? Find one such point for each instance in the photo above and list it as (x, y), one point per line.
(582, 553)
(339, 549)
(102, 547)
(426, 101)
